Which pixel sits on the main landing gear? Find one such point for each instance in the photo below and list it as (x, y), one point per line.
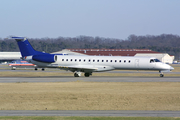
(87, 74)
(78, 74)
(41, 69)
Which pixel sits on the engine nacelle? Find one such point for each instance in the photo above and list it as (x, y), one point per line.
(47, 58)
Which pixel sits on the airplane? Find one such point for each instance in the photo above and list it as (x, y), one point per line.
(21, 64)
(88, 64)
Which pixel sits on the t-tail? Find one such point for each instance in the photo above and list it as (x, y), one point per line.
(27, 51)
(25, 47)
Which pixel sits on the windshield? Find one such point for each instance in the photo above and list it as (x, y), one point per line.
(154, 60)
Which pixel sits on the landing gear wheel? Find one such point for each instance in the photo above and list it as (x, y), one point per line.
(161, 75)
(86, 74)
(13, 68)
(43, 69)
(35, 69)
(76, 75)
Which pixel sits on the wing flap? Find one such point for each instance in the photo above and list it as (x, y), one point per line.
(85, 67)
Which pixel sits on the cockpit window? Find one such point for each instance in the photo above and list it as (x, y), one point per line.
(156, 60)
(152, 60)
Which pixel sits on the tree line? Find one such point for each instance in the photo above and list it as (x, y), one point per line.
(165, 43)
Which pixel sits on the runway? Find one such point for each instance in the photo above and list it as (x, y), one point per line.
(91, 113)
(85, 79)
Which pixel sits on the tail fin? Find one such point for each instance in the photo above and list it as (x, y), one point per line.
(25, 47)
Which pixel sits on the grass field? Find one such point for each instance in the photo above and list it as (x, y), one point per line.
(81, 95)
(90, 96)
(32, 73)
(56, 74)
(59, 74)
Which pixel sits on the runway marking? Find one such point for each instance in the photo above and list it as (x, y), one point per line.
(127, 113)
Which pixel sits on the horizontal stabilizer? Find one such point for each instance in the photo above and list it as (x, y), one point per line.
(19, 38)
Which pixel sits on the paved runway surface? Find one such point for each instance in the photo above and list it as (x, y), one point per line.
(90, 79)
(92, 113)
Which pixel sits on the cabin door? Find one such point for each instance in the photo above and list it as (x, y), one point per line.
(136, 63)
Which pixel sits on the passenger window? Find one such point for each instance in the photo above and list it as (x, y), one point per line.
(79, 60)
(119, 60)
(124, 61)
(97, 60)
(62, 59)
(106, 60)
(84, 60)
(93, 60)
(66, 59)
(129, 61)
(71, 60)
(111, 60)
(89, 60)
(102, 60)
(115, 60)
(75, 60)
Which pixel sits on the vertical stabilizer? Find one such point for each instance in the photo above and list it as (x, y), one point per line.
(25, 47)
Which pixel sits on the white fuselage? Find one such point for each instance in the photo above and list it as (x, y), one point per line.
(104, 63)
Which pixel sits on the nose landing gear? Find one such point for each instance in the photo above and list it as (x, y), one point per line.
(161, 74)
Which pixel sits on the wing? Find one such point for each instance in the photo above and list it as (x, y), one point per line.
(82, 68)
(87, 68)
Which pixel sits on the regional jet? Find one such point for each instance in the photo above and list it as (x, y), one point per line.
(88, 64)
(21, 64)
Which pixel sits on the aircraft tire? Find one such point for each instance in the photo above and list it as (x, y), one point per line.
(161, 75)
(86, 74)
(13, 68)
(76, 75)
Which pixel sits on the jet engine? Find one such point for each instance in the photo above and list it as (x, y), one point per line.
(47, 58)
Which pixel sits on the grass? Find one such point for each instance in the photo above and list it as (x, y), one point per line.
(90, 96)
(176, 67)
(87, 118)
(57, 72)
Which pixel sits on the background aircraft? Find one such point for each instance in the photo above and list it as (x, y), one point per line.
(20, 64)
